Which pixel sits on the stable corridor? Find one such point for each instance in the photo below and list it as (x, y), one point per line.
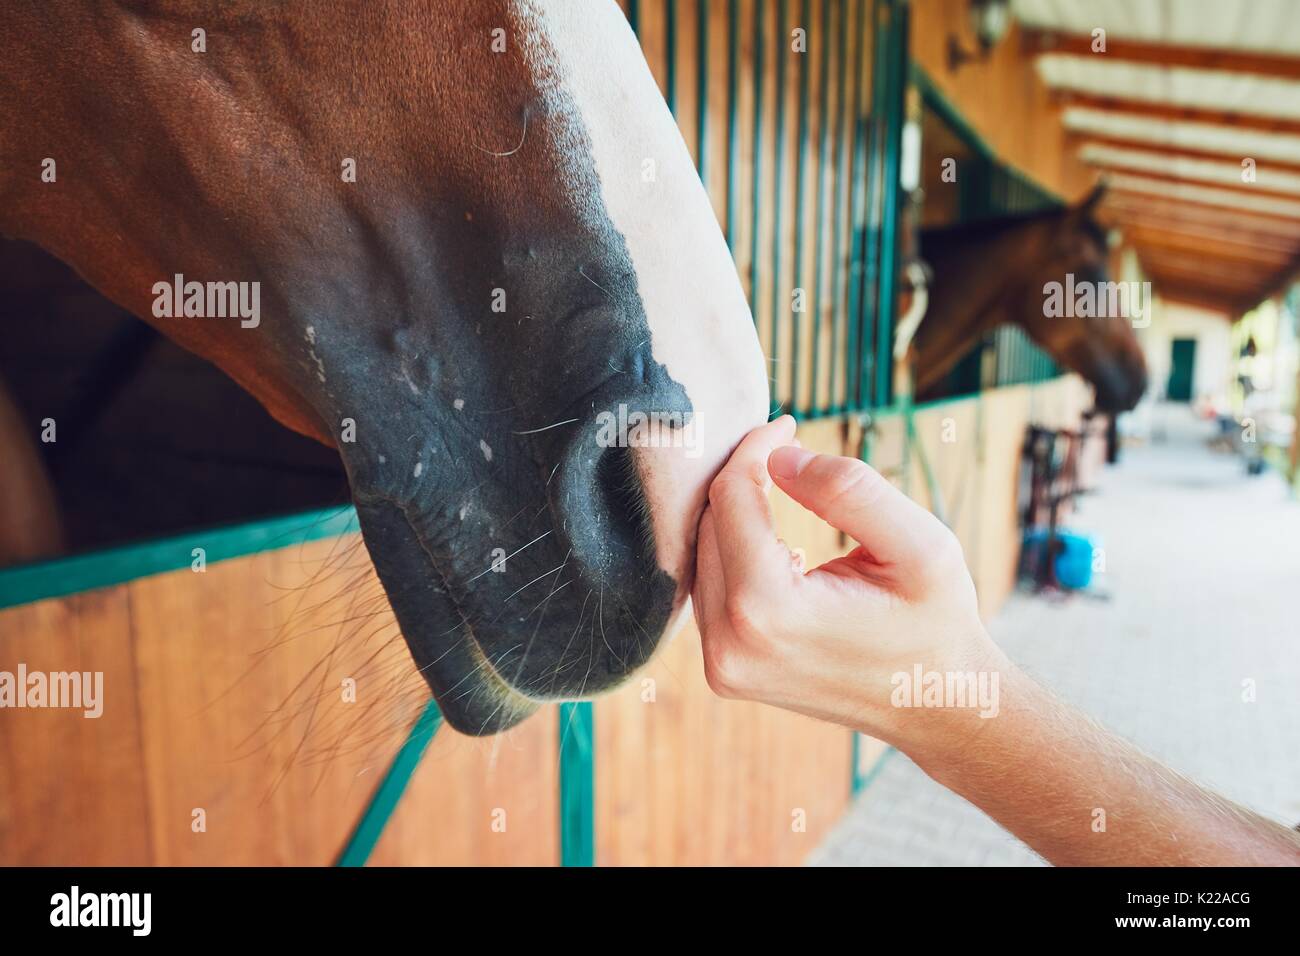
(1199, 595)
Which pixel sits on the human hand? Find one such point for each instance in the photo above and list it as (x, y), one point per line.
(827, 642)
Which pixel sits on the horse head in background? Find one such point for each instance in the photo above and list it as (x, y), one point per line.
(422, 234)
(1045, 272)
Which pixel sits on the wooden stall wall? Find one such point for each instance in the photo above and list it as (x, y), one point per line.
(228, 735)
(224, 693)
(1000, 96)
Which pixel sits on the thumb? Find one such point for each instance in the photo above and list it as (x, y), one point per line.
(855, 498)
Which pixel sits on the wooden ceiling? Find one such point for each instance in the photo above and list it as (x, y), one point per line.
(1170, 123)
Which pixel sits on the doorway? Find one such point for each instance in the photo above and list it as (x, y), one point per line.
(1182, 364)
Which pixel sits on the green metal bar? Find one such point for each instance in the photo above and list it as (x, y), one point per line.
(863, 780)
(757, 186)
(702, 89)
(868, 303)
(896, 92)
(577, 785)
(386, 796)
(824, 108)
(779, 170)
(634, 15)
(85, 572)
(857, 223)
(800, 168)
(733, 116)
(843, 172)
(670, 42)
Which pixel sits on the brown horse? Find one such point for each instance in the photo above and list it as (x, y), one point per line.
(452, 240)
(1024, 270)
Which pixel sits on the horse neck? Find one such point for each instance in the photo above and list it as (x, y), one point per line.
(477, 172)
(225, 165)
(978, 274)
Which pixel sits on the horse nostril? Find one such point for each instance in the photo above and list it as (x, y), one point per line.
(599, 504)
(620, 502)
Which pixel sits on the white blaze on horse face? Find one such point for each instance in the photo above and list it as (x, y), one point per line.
(701, 328)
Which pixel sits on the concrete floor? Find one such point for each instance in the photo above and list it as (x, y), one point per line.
(1203, 585)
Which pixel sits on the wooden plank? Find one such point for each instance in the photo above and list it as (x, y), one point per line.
(1192, 179)
(1217, 198)
(1220, 242)
(241, 671)
(1000, 95)
(1176, 264)
(1081, 139)
(73, 789)
(1187, 290)
(1255, 62)
(1165, 210)
(1165, 111)
(1200, 298)
(481, 802)
(686, 778)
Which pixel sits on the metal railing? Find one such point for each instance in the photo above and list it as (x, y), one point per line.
(816, 151)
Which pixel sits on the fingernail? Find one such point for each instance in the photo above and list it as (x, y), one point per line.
(787, 461)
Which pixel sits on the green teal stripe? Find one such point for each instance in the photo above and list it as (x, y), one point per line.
(783, 50)
(385, 799)
(843, 172)
(577, 785)
(85, 572)
(819, 218)
(800, 168)
(896, 87)
(860, 246)
(863, 780)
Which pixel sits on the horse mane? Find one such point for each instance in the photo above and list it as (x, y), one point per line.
(992, 227)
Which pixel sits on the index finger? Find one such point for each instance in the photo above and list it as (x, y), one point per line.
(746, 536)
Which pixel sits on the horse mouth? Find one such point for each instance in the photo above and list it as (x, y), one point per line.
(577, 608)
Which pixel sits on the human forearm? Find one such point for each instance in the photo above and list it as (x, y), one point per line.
(1078, 794)
(887, 640)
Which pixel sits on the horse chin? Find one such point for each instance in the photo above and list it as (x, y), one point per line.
(565, 618)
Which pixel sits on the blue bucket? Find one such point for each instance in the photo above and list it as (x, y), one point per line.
(1073, 565)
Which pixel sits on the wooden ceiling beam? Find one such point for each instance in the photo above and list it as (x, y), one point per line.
(1218, 218)
(1163, 280)
(1211, 271)
(1165, 111)
(1254, 189)
(1272, 245)
(1212, 246)
(1081, 138)
(1206, 268)
(1173, 292)
(1278, 214)
(1226, 285)
(1040, 42)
